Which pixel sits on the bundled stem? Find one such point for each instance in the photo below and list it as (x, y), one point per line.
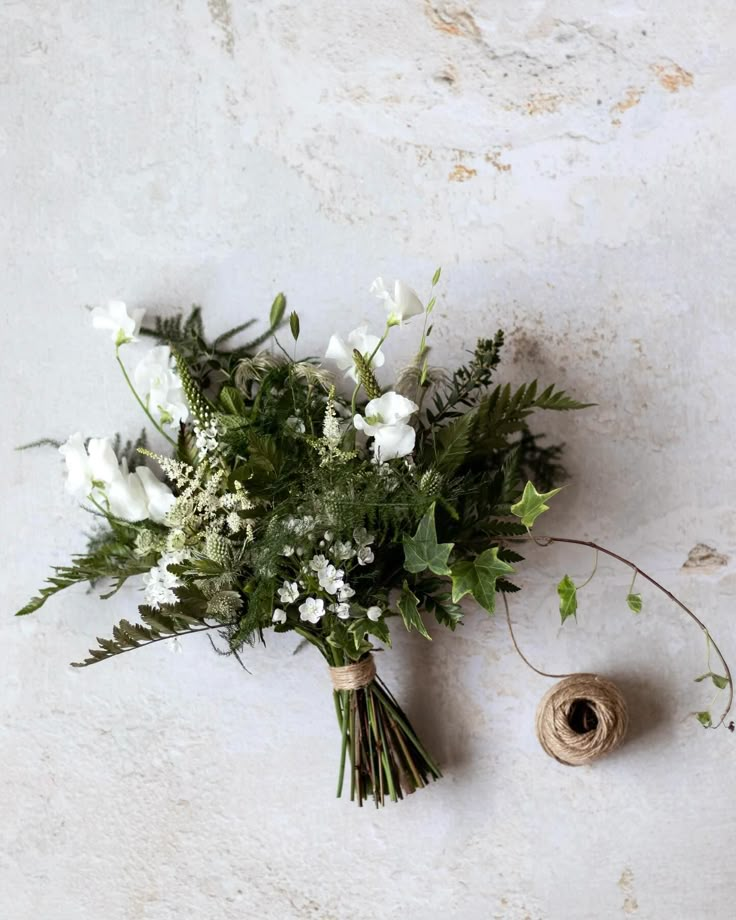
(386, 757)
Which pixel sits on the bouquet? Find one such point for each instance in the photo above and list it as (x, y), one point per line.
(306, 495)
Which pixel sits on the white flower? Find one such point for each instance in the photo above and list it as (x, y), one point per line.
(365, 555)
(123, 325)
(385, 420)
(342, 550)
(345, 593)
(296, 424)
(318, 562)
(159, 582)
(402, 305)
(288, 550)
(342, 354)
(342, 610)
(362, 537)
(374, 613)
(126, 496)
(78, 472)
(159, 386)
(312, 610)
(279, 615)
(330, 578)
(159, 497)
(328, 535)
(95, 472)
(289, 592)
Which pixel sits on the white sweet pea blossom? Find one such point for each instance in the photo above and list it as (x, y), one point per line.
(385, 421)
(123, 324)
(159, 386)
(401, 305)
(94, 472)
(365, 555)
(279, 615)
(289, 592)
(312, 610)
(331, 579)
(159, 496)
(342, 354)
(374, 613)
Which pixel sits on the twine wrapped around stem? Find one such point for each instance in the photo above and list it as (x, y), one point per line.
(386, 758)
(581, 718)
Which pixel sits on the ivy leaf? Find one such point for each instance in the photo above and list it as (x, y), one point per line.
(705, 719)
(568, 598)
(422, 551)
(718, 680)
(532, 504)
(634, 602)
(409, 610)
(478, 577)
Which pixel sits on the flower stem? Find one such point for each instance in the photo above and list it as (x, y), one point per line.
(140, 401)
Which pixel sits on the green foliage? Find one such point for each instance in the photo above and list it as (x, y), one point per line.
(568, 595)
(422, 551)
(111, 555)
(634, 602)
(409, 610)
(165, 623)
(366, 376)
(717, 679)
(705, 719)
(478, 577)
(532, 504)
(294, 325)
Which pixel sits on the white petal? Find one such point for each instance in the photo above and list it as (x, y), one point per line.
(127, 498)
(338, 352)
(102, 460)
(391, 408)
(159, 496)
(78, 473)
(407, 302)
(393, 441)
(374, 613)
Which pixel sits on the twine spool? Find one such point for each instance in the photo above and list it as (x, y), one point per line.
(581, 718)
(354, 676)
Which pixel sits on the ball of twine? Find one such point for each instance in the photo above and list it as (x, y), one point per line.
(581, 718)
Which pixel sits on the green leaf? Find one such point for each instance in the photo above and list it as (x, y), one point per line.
(532, 504)
(568, 598)
(277, 310)
(422, 551)
(705, 718)
(232, 401)
(634, 602)
(409, 610)
(436, 276)
(719, 681)
(478, 577)
(452, 443)
(294, 325)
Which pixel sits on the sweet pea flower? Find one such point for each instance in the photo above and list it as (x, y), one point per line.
(159, 386)
(123, 324)
(403, 304)
(385, 421)
(159, 497)
(93, 471)
(360, 340)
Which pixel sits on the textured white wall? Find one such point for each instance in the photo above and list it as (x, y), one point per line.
(570, 165)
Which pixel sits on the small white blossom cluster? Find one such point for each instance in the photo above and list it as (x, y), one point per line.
(321, 575)
(159, 582)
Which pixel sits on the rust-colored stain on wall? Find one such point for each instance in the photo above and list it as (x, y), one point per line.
(543, 103)
(672, 77)
(632, 98)
(494, 158)
(462, 173)
(446, 18)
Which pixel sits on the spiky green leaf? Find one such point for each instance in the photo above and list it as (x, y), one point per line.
(478, 578)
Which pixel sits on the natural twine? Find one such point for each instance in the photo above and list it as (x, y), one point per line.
(354, 676)
(581, 718)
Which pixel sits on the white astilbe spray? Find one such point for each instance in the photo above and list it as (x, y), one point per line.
(159, 582)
